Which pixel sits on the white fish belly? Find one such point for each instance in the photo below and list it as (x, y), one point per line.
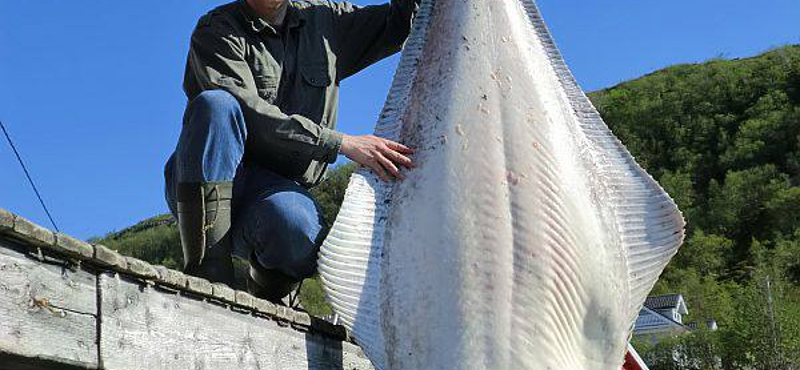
(526, 238)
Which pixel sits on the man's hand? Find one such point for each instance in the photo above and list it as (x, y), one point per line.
(380, 155)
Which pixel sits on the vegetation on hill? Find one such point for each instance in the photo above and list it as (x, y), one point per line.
(155, 240)
(723, 138)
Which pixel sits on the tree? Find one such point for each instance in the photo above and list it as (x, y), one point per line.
(330, 193)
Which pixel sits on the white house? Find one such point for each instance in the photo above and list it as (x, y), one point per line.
(661, 315)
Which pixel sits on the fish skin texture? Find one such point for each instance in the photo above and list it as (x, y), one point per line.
(526, 238)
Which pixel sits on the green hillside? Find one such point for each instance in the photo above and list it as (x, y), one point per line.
(723, 138)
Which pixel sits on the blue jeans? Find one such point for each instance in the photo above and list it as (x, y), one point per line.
(274, 218)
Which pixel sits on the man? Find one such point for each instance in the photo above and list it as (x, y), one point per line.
(262, 81)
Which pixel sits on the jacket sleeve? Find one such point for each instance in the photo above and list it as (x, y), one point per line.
(218, 62)
(365, 35)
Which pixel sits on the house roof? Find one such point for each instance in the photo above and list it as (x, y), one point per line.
(650, 321)
(668, 301)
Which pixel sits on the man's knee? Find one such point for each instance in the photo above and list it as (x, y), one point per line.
(288, 234)
(216, 107)
(296, 232)
(215, 100)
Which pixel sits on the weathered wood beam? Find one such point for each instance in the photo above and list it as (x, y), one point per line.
(147, 328)
(47, 311)
(66, 304)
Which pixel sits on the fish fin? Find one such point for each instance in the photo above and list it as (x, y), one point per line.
(350, 257)
(649, 224)
(350, 261)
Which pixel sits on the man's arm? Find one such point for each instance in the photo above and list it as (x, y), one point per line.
(217, 60)
(365, 35)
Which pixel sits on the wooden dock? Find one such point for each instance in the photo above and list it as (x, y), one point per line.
(66, 304)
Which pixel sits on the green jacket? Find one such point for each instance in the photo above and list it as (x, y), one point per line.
(287, 80)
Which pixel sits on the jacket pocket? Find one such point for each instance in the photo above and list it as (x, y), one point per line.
(267, 87)
(316, 75)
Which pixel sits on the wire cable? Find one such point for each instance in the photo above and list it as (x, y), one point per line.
(28, 175)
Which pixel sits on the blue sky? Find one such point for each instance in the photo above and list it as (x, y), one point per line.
(91, 91)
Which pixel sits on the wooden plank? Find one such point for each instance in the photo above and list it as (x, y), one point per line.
(146, 328)
(47, 311)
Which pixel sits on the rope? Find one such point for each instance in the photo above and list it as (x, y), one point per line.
(293, 298)
(28, 175)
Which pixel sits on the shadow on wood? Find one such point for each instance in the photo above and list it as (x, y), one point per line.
(13, 362)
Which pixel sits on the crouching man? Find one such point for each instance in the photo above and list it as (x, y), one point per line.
(262, 79)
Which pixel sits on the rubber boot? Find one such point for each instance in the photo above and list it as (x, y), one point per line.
(269, 284)
(204, 218)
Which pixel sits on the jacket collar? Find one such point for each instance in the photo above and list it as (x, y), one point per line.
(294, 18)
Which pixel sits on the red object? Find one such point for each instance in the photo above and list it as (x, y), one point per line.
(633, 361)
(630, 363)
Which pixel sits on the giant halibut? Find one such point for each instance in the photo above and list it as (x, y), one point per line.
(526, 238)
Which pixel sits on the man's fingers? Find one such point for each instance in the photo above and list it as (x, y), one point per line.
(399, 147)
(379, 170)
(399, 159)
(387, 164)
(382, 156)
(395, 153)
